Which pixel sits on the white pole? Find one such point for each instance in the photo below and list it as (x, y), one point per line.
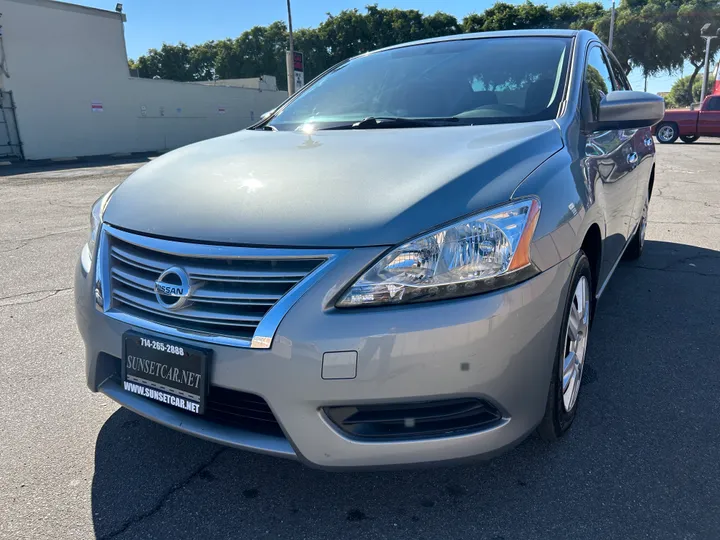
(290, 56)
(707, 68)
(612, 26)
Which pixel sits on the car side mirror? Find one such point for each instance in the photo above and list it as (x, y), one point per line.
(629, 110)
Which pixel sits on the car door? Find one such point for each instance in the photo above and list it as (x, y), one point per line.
(643, 149)
(610, 159)
(709, 120)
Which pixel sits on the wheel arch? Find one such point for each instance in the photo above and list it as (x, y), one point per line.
(592, 247)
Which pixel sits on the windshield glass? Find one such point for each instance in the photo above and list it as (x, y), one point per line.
(474, 81)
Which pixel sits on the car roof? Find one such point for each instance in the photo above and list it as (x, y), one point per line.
(484, 35)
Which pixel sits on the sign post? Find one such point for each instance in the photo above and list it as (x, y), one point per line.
(299, 70)
(296, 71)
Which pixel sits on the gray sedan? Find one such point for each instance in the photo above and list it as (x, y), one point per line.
(399, 265)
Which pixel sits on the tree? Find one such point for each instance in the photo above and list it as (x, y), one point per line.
(580, 16)
(680, 96)
(345, 35)
(504, 16)
(441, 24)
(691, 17)
(658, 36)
(228, 59)
(148, 64)
(170, 62)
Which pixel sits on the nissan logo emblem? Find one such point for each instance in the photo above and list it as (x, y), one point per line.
(173, 288)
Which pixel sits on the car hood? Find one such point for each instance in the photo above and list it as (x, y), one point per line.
(347, 188)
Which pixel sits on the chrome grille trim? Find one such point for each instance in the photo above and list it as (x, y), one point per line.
(245, 292)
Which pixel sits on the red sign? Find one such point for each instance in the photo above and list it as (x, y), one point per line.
(298, 61)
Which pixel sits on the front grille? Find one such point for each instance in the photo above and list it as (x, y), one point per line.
(234, 291)
(425, 419)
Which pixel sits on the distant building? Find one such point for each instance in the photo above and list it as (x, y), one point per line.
(262, 83)
(663, 94)
(65, 69)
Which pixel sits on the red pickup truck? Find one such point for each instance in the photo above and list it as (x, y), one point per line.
(690, 124)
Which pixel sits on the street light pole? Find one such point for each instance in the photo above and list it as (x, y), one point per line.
(708, 37)
(290, 56)
(707, 67)
(612, 25)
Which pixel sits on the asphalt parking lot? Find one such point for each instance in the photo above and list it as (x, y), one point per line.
(642, 460)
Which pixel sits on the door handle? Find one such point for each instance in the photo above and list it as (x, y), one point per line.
(632, 158)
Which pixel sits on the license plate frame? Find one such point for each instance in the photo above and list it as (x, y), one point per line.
(160, 373)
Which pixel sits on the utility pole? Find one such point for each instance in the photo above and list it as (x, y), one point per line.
(612, 25)
(290, 56)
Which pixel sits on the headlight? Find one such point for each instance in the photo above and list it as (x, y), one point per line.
(478, 254)
(96, 214)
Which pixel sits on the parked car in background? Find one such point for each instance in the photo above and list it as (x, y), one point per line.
(690, 124)
(399, 265)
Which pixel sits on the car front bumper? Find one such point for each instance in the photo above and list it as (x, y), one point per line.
(498, 346)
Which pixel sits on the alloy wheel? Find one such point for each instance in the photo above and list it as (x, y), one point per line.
(576, 338)
(666, 133)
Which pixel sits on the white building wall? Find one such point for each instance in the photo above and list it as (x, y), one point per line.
(62, 58)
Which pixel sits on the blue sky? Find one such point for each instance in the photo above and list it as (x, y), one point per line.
(152, 22)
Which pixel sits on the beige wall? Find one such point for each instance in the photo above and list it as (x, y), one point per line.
(62, 58)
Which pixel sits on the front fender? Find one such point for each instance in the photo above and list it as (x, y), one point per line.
(569, 208)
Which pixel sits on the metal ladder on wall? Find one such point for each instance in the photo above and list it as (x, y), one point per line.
(13, 148)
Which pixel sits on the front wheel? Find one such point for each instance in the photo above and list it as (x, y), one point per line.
(689, 139)
(667, 133)
(570, 357)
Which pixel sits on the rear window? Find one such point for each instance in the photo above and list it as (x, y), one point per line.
(477, 81)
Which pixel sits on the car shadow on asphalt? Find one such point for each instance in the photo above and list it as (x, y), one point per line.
(46, 165)
(642, 455)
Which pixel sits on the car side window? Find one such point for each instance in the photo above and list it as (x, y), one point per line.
(597, 78)
(621, 82)
(714, 104)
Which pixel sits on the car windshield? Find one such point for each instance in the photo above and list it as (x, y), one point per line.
(460, 82)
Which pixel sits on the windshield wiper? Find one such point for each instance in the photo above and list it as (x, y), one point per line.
(379, 122)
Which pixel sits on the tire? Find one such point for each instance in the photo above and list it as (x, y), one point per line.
(637, 243)
(666, 133)
(559, 414)
(689, 139)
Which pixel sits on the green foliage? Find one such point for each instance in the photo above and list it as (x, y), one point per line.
(660, 35)
(653, 35)
(680, 96)
(504, 16)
